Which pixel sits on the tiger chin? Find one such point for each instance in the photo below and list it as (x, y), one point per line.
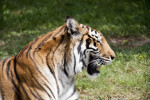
(45, 68)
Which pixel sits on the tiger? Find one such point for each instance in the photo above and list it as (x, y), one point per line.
(46, 67)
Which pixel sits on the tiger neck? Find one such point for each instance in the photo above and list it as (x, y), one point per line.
(69, 67)
(67, 59)
(63, 53)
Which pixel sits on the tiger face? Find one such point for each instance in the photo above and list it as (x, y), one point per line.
(93, 49)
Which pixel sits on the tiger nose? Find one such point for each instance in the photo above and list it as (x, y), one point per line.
(112, 57)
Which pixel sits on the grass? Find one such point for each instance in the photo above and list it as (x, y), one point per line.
(126, 78)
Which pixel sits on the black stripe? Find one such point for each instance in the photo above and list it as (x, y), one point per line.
(50, 91)
(74, 90)
(37, 94)
(87, 27)
(34, 41)
(74, 63)
(66, 28)
(8, 67)
(45, 39)
(16, 89)
(94, 50)
(4, 63)
(18, 79)
(96, 36)
(28, 50)
(88, 41)
(79, 46)
(22, 51)
(49, 66)
(59, 31)
(29, 87)
(94, 43)
(83, 62)
(65, 71)
(89, 36)
(39, 84)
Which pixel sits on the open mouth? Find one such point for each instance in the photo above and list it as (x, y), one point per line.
(95, 64)
(93, 67)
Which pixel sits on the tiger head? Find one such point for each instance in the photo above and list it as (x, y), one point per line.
(91, 48)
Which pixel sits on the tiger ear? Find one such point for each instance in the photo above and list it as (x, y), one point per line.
(72, 25)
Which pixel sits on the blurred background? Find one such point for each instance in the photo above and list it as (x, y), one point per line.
(124, 23)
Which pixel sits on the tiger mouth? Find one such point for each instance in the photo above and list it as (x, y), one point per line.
(95, 64)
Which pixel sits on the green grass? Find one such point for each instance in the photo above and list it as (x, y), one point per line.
(128, 17)
(126, 78)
